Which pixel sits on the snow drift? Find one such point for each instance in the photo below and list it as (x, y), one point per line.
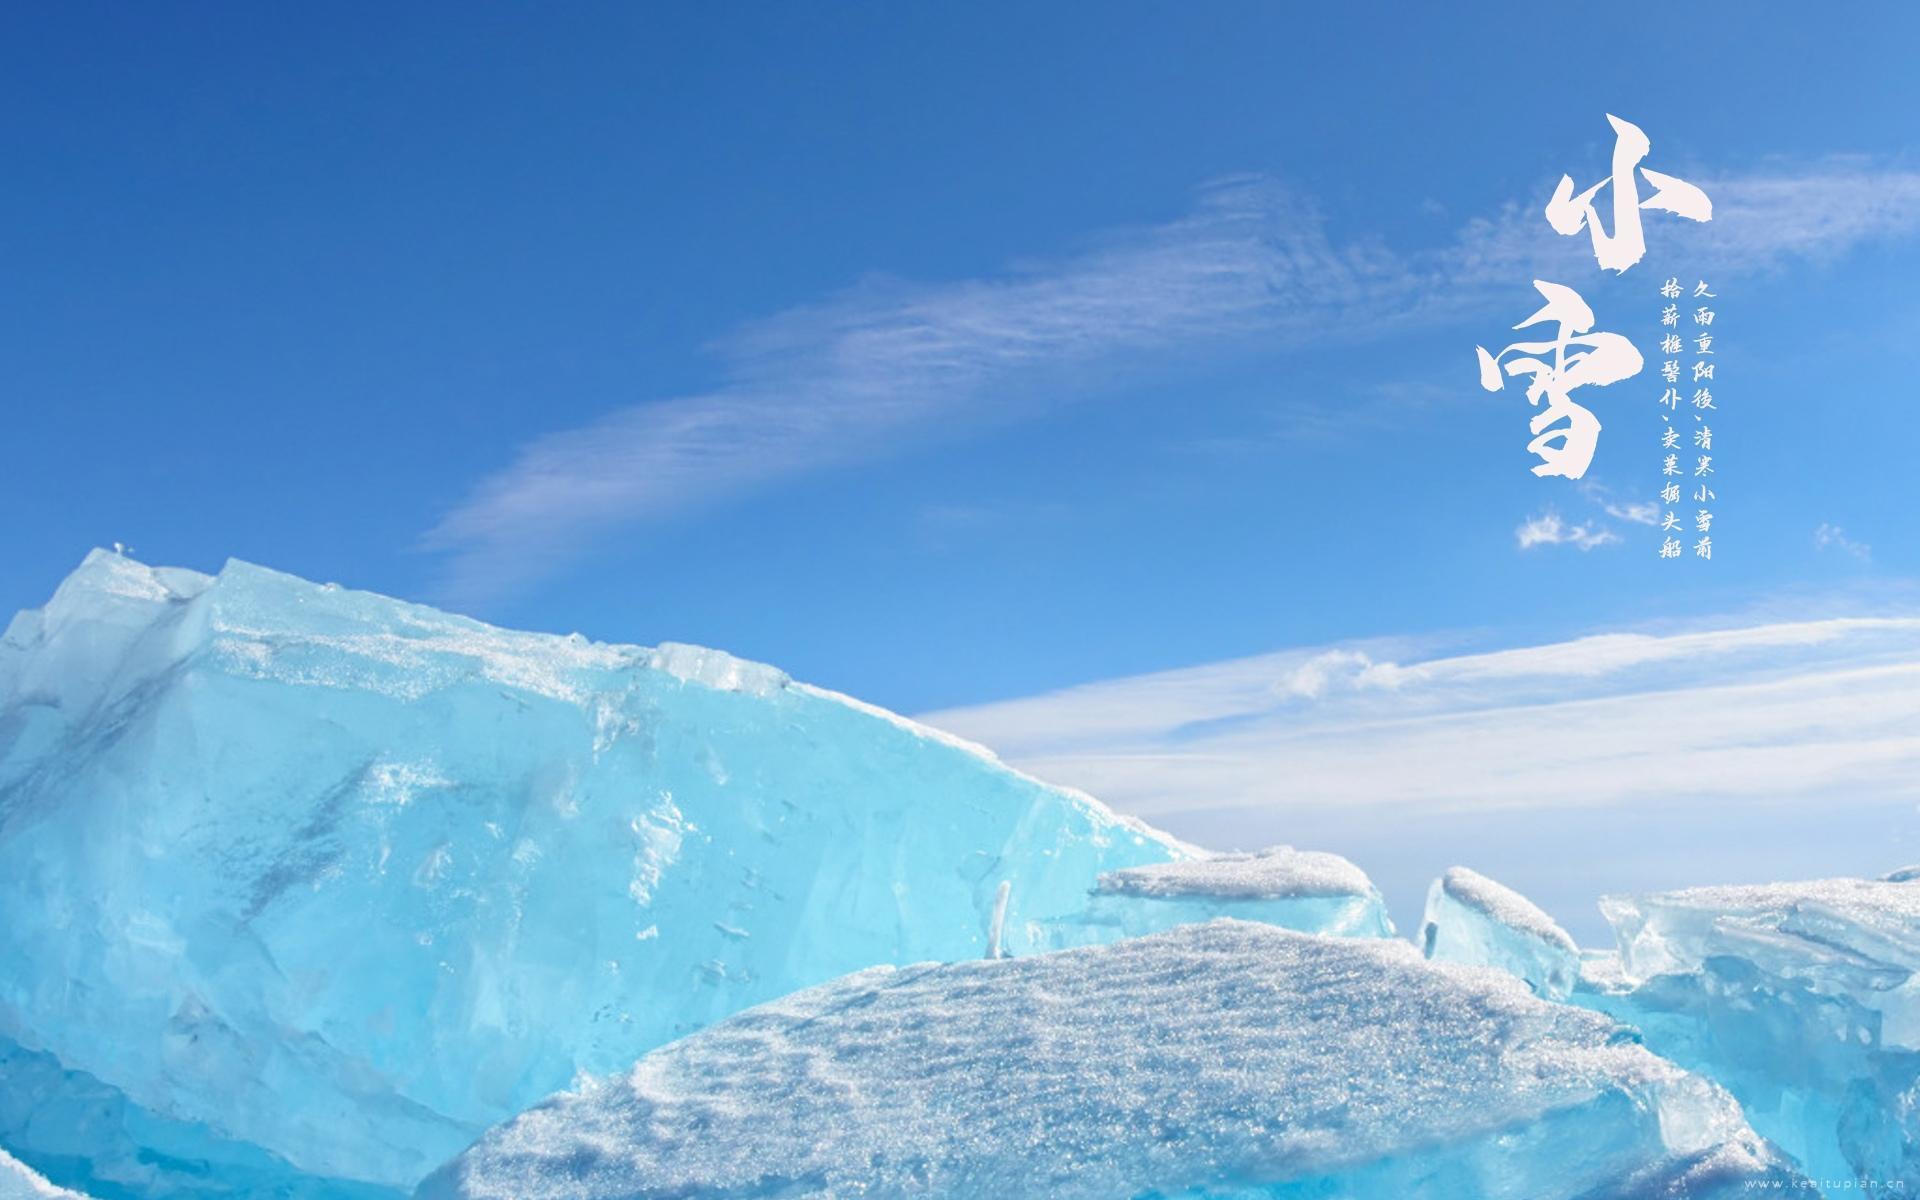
(1225, 1059)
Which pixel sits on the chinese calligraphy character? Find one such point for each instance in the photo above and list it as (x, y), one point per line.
(1626, 245)
(1601, 359)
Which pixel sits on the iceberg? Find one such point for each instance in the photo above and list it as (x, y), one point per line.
(1473, 920)
(1801, 998)
(1226, 1059)
(1304, 890)
(307, 887)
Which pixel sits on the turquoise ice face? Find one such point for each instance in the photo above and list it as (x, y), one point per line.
(1801, 998)
(345, 880)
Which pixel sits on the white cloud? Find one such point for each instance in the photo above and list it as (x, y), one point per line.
(1640, 512)
(865, 373)
(1311, 679)
(1761, 220)
(1549, 529)
(1756, 713)
(881, 366)
(1835, 537)
(1644, 512)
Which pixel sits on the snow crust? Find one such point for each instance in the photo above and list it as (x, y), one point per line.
(341, 881)
(19, 1182)
(1840, 933)
(1226, 1059)
(1305, 890)
(1275, 874)
(1801, 998)
(1474, 920)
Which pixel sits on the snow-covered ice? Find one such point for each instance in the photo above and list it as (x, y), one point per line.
(347, 880)
(1305, 890)
(307, 888)
(1474, 920)
(19, 1182)
(1802, 998)
(1226, 1059)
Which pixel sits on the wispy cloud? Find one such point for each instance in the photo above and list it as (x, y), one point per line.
(1762, 220)
(1749, 713)
(1550, 529)
(887, 364)
(1639, 512)
(1833, 537)
(1643, 512)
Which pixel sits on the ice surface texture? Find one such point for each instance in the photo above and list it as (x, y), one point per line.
(95, 1140)
(1471, 919)
(1226, 1059)
(1304, 890)
(1801, 998)
(350, 879)
(20, 1182)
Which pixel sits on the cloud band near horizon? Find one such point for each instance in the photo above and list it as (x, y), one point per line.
(1754, 714)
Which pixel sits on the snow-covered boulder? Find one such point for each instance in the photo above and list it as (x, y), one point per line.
(1801, 998)
(1473, 920)
(1225, 1059)
(1305, 890)
(349, 880)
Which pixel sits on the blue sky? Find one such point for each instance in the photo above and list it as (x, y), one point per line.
(944, 355)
